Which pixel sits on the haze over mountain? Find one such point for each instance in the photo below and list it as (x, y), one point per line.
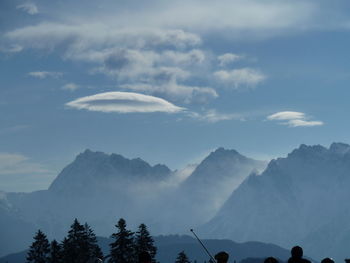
(203, 193)
(99, 189)
(301, 199)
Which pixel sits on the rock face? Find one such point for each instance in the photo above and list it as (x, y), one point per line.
(91, 169)
(300, 199)
(96, 187)
(99, 189)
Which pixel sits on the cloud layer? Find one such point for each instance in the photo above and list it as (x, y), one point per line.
(213, 116)
(45, 74)
(240, 77)
(70, 86)
(19, 164)
(228, 58)
(167, 63)
(29, 8)
(124, 102)
(293, 119)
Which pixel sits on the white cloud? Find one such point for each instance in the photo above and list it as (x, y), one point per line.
(306, 123)
(158, 59)
(14, 48)
(123, 102)
(176, 92)
(29, 8)
(19, 164)
(293, 119)
(96, 35)
(18, 173)
(238, 15)
(45, 74)
(240, 77)
(286, 115)
(195, 56)
(213, 116)
(228, 58)
(70, 87)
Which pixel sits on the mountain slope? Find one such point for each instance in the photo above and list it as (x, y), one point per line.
(202, 194)
(298, 199)
(96, 187)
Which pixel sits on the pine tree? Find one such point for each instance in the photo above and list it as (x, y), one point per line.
(80, 245)
(122, 249)
(94, 250)
(182, 258)
(145, 242)
(55, 253)
(39, 250)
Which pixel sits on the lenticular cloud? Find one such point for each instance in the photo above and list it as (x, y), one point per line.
(123, 102)
(293, 119)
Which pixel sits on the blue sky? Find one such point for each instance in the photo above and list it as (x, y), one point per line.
(167, 81)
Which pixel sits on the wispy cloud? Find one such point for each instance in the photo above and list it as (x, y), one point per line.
(70, 86)
(247, 77)
(123, 102)
(293, 119)
(45, 74)
(19, 164)
(155, 61)
(19, 173)
(29, 8)
(213, 116)
(229, 58)
(176, 92)
(97, 35)
(13, 48)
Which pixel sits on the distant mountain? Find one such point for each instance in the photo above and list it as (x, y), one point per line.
(217, 176)
(99, 188)
(300, 199)
(170, 246)
(12, 225)
(91, 169)
(96, 187)
(203, 193)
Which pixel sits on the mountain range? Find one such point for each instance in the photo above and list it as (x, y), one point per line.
(298, 199)
(99, 188)
(301, 199)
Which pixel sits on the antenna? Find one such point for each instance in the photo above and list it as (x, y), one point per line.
(206, 250)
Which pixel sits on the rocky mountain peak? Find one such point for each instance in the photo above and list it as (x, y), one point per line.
(339, 148)
(90, 166)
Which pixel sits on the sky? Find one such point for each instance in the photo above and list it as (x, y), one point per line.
(167, 81)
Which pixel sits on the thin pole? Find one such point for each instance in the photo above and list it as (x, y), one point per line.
(206, 250)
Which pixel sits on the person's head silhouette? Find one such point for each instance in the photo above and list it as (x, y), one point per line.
(327, 260)
(145, 257)
(221, 257)
(297, 252)
(270, 260)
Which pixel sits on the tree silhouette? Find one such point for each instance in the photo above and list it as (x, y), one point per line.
(182, 258)
(145, 242)
(55, 253)
(39, 250)
(94, 250)
(80, 245)
(122, 249)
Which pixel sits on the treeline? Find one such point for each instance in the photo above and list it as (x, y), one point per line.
(80, 246)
